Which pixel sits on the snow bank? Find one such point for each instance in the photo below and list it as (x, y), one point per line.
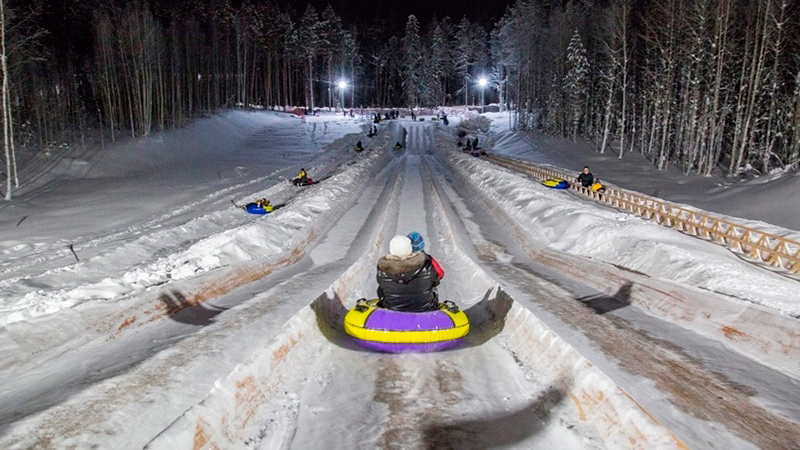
(475, 124)
(569, 224)
(768, 199)
(284, 232)
(225, 418)
(235, 412)
(617, 419)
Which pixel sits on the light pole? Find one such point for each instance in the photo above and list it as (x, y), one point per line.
(482, 83)
(342, 86)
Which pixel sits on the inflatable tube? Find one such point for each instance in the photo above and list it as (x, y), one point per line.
(252, 208)
(556, 183)
(307, 182)
(388, 331)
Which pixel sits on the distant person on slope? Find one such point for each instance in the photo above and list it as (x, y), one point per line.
(302, 178)
(586, 179)
(407, 279)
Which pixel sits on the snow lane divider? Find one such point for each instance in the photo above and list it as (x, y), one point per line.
(224, 419)
(758, 245)
(615, 416)
(758, 332)
(289, 232)
(618, 420)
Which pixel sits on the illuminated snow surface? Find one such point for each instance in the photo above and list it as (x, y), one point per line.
(189, 321)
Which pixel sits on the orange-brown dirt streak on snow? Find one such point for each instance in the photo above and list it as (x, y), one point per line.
(221, 285)
(693, 387)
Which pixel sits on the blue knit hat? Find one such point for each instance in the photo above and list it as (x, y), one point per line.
(417, 243)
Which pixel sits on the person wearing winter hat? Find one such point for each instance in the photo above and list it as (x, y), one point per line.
(418, 245)
(407, 279)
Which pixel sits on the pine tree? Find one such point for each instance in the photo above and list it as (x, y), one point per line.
(576, 81)
(309, 45)
(330, 41)
(412, 62)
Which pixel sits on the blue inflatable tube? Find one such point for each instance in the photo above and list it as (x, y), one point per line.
(252, 208)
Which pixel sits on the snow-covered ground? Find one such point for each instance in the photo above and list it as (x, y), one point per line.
(134, 213)
(192, 323)
(753, 199)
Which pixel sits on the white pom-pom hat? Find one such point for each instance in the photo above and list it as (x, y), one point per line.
(400, 246)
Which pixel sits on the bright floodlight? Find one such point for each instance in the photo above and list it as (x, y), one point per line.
(482, 82)
(342, 84)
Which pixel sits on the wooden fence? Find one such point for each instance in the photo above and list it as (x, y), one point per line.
(758, 245)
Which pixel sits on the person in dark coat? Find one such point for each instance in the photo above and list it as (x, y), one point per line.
(407, 279)
(586, 179)
(418, 245)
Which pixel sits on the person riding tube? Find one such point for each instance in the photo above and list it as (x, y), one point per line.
(301, 179)
(407, 279)
(418, 245)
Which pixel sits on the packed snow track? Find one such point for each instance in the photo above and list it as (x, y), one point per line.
(564, 352)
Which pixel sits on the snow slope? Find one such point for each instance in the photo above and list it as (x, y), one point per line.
(769, 199)
(138, 212)
(217, 327)
(490, 392)
(569, 224)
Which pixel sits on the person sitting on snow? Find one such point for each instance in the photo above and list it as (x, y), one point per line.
(302, 178)
(359, 147)
(586, 179)
(407, 279)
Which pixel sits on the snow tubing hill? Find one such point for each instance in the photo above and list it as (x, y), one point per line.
(384, 330)
(556, 183)
(252, 208)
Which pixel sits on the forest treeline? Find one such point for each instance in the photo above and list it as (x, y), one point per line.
(697, 83)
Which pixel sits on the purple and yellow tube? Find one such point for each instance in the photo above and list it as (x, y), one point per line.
(390, 331)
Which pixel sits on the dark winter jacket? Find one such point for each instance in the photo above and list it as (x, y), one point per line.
(408, 284)
(586, 179)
